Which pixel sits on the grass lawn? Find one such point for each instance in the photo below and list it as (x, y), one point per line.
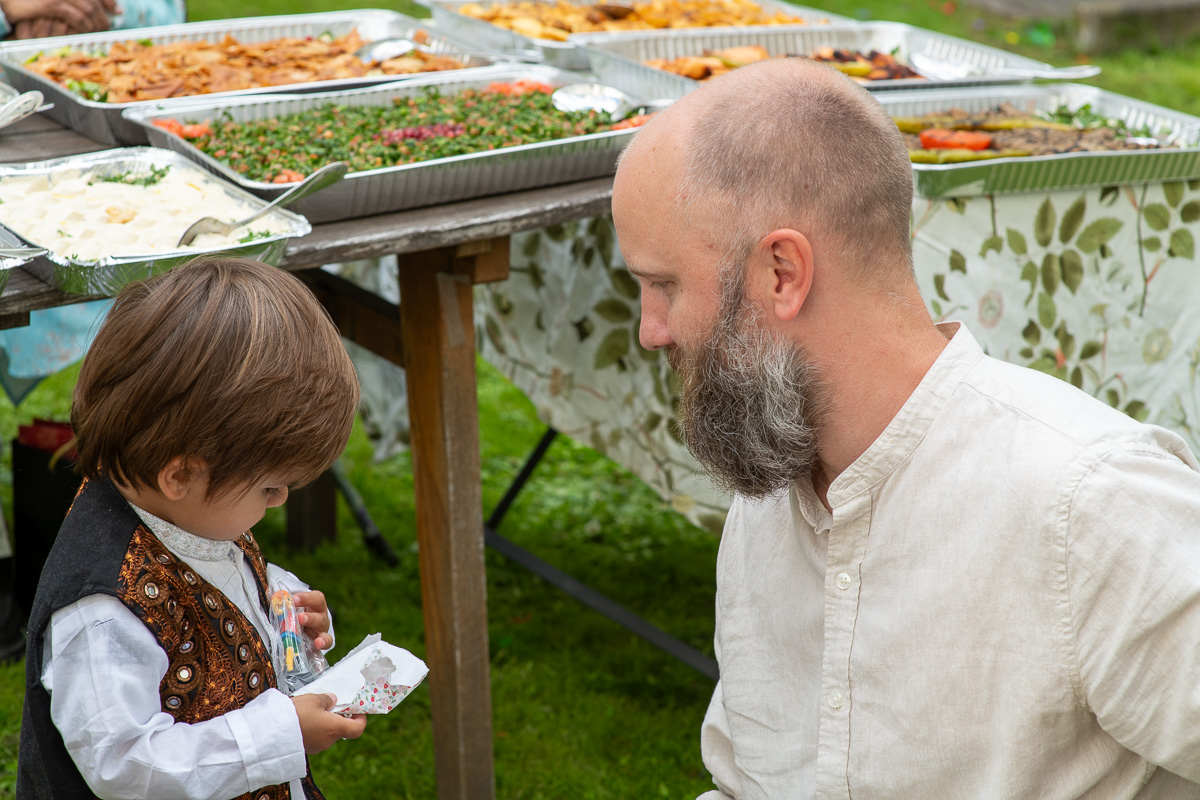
(582, 709)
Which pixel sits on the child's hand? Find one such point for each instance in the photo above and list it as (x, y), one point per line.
(313, 615)
(320, 727)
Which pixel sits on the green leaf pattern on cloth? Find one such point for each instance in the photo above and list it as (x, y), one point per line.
(1094, 287)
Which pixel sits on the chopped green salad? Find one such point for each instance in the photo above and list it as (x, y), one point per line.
(424, 126)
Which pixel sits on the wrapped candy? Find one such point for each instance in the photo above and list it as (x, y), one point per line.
(371, 679)
(297, 660)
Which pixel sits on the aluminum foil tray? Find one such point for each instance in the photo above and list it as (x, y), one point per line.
(108, 275)
(1053, 172)
(425, 183)
(7, 265)
(612, 56)
(102, 121)
(568, 55)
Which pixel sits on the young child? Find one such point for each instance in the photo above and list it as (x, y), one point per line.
(208, 391)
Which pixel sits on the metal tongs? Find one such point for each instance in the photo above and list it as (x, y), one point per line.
(942, 70)
(21, 252)
(21, 106)
(382, 50)
(325, 176)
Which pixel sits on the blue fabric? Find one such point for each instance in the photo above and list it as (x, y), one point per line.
(54, 339)
(146, 13)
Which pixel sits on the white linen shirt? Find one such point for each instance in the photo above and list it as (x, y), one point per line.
(103, 666)
(1003, 603)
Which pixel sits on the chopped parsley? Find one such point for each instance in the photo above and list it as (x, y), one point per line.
(252, 235)
(370, 137)
(131, 179)
(1085, 117)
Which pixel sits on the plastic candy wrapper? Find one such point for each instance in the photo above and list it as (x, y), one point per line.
(291, 648)
(371, 679)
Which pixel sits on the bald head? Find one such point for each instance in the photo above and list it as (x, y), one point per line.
(785, 143)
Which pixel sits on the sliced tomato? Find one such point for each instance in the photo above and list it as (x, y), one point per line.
(170, 126)
(287, 176)
(636, 121)
(195, 130)
(940, 138)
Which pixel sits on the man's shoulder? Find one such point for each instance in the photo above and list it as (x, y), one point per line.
(1032, 406)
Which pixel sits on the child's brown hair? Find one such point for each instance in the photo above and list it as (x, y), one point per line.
(227, 362)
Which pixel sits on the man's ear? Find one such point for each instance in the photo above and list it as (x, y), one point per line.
(786, 259)
(178, 477)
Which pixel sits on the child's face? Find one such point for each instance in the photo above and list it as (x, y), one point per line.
(227, 517)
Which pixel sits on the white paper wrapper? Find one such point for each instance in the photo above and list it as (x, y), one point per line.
(371, 679)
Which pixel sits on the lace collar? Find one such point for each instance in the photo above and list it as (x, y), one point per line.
(185, 544)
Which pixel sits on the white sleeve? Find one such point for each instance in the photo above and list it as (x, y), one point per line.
(103, 668)
(716, 748)
(1133, 575)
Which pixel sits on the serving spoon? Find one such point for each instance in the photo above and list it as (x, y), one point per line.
(325, 176)
(382, 50)
(940, 69)
(576, 97)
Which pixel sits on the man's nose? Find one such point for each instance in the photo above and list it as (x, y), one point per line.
(652, 331)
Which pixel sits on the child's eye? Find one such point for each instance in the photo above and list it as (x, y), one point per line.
(275, 492)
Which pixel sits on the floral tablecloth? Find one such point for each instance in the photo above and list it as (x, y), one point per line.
(1094, 286)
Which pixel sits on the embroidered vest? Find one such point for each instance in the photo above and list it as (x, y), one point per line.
(218, 662)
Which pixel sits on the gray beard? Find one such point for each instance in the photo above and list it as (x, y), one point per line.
(750, 401)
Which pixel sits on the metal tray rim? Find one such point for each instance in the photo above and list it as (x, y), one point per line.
(390, 188)
(145, 118)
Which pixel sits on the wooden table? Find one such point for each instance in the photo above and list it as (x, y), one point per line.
(442, 252)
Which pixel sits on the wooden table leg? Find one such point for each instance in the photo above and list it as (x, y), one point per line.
(439, 350)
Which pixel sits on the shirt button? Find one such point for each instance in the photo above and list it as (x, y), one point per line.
(843, 581)
(835, 700)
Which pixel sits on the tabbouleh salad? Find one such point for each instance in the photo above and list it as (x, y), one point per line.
(424, 126)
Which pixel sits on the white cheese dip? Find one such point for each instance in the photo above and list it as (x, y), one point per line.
(78, 216)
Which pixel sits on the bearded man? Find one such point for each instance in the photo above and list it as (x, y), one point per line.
(942, 576)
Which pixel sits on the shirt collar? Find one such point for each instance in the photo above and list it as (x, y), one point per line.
(185, 544)
(908, 427)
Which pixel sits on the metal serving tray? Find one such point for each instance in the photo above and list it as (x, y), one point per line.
(612, 56)
(568, 55)
(108, 275)
(1062, 171)
(425, 183)
(102, 121)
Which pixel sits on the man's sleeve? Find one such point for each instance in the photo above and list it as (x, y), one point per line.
(1132, 573)
(716, 747)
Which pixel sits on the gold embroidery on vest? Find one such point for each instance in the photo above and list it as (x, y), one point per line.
(218, 662)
